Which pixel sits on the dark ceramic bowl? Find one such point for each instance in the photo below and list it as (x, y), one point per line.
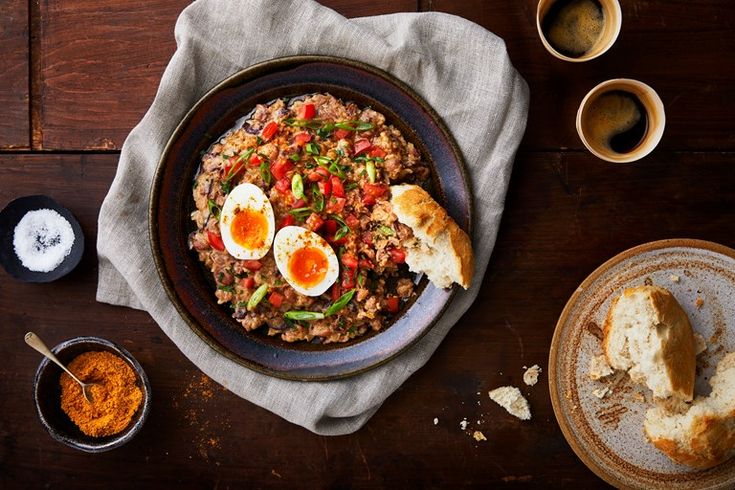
(47, 395)
(189, 284)
(9, 218)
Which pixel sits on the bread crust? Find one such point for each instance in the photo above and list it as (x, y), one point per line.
(678, 351)
(415, 208)
(712, 442)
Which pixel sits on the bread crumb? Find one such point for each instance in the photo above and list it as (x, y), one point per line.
(599, 368)
(530, 377)
(479, 436)
(699, 302)
(674, 278)
(700, 345)
(601, 392)
(463, 424)
(511, 399)
(436, 421)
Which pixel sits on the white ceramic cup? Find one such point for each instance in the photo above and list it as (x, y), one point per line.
(610, 31)
(650, 101)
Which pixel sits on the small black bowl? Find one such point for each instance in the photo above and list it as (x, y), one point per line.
(47, 395)
(9, 218)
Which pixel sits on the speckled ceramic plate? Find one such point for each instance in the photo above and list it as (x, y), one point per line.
(190, 286)
(607, 433)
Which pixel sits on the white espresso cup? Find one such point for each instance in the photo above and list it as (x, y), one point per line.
(608, 111)
(607, 28)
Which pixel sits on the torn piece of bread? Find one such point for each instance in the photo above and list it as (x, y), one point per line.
(599, 368)
(704, 436)
(511, 399)
(648, 334)
(440, 249)
(530, 377)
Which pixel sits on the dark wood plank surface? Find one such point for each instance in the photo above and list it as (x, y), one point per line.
(14, 116)
(95, 67)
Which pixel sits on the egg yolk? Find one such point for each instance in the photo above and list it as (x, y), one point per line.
(308, 266)
(249, 229)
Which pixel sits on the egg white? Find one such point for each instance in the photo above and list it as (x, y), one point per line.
(246, 196)
(291, 238)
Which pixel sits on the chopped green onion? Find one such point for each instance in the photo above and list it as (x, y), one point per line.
(303, 315)
(325, 130)
(322, 160)
(228, 289)
(213, 208)
(342, 232)
(312, 148)
(257, 297)
(352, 186)
(361, 280)
(304, 123)
(300, 213)
(318, 201)
(338, 219)
(335, 169)
(265, 172)
(295, 157)
(297, 186)
(386, 230)
(354, 125)
(370, 167)
(340, 303)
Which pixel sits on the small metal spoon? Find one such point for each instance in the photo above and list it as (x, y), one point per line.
(35, 342)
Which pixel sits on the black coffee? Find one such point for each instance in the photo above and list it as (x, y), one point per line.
(616, 120)
(573, 27)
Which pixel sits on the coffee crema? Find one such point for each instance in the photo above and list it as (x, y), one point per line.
(573, 27)
(616, 120)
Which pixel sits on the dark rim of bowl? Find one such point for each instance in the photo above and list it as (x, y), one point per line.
(249, 73)
(116, 440)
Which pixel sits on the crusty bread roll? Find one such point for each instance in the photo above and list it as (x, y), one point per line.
(648, 334)
(704, 436)
(441, 250)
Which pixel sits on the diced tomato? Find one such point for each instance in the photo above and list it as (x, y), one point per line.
(287, 220)
(252, 265)
(255, 160)
(348, 279)
(367, 238)
(334, 242)
(341, 134)
(349, 260)
(377, 152)
(298, 203)
(280, 168)
(375, 190)
(368, 200)
(283, 185)
(302, 138)
(362, 145)
(335, 292)
(366, 264)
(325, 188)
(398, 255)
(314, 222)
(330, 226)
(352, 221)
(269, 131)
(275, 299)
(337, 188)
(335, 204)
(215, 241)
(234, 168)
(319, 173)
(247, 282)
(308, 111)
(393, 303)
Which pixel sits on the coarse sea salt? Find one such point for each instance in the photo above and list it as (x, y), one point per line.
(42, 239)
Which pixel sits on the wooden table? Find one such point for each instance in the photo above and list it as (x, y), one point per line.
(76, 76)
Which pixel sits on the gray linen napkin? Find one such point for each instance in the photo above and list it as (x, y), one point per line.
(461, 69)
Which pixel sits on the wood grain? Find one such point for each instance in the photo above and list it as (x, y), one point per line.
(566, 213)
(14, 116)
(101, 62)
(678, 47)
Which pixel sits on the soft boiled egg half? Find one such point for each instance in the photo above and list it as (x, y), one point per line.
(246, 223)
(305, 260)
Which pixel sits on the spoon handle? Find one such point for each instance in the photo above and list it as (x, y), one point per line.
(34, 341)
